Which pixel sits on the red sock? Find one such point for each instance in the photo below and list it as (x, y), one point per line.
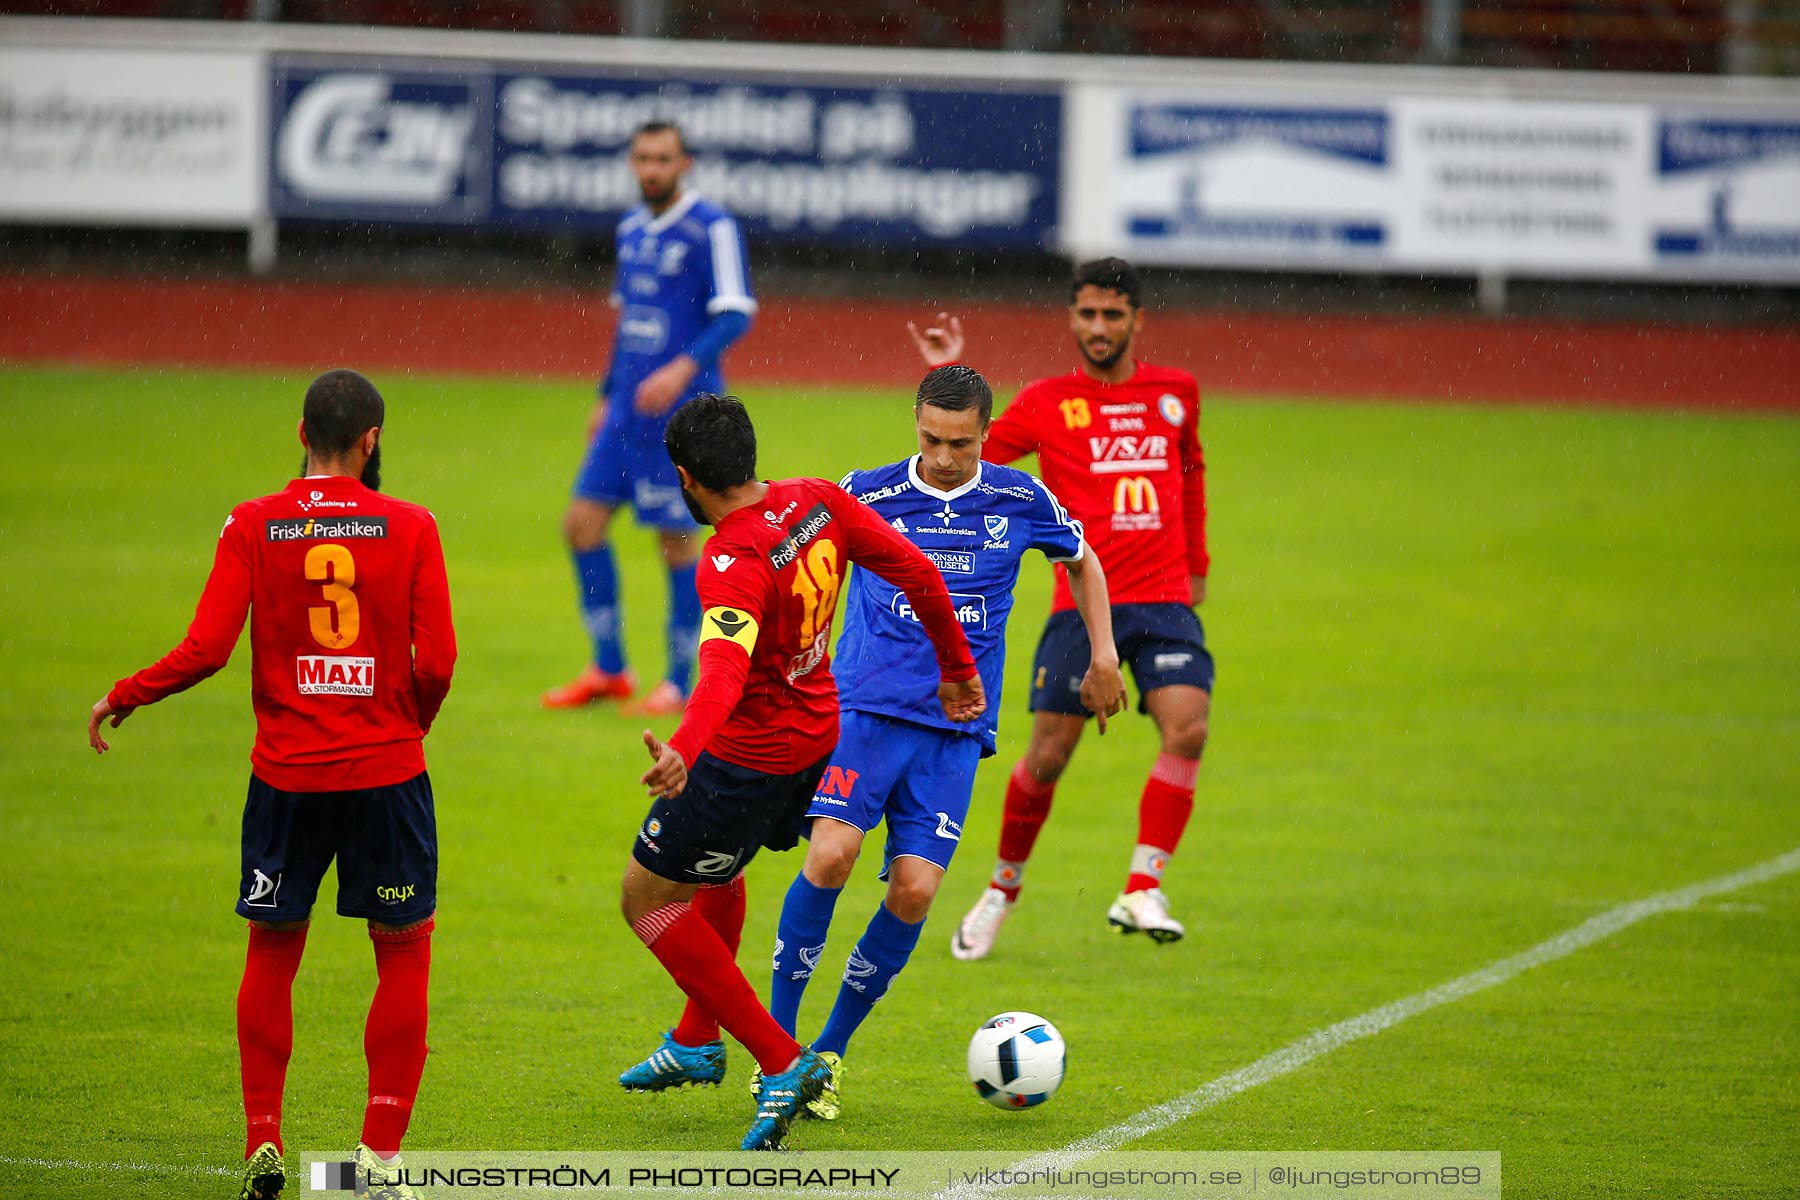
(394, 1038)
(1027, 805)
(692, 952)
(723, 908)
(265, 1015)
(1163, 812)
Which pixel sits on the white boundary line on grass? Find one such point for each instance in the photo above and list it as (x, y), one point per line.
(66, 1164)
(1321, 1042)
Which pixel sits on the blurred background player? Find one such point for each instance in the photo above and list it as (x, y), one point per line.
(351, 651)
(1118, 440)
(742, 768)
(682, 291)
(897, 757)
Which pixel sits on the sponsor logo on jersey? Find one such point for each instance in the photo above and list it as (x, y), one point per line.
(774, 518)
(1017, 493)
(395, 893)
(729, 624)
(263, 890)
(299, 529)
(899, 525)
(1136, 504)
(672, 256)
(946, 513)
(959, 562)
(1126, 425)
(722, 561)
(893, 489)
(1172, 662)
(970, 610)
(947, 829)
(1120, 410)
(335, 675)
(1116, 455)
(645, 494)
(788, 548)
(838, 780)
(643, 329)
(653, 827)
(804, 662)
(716, 862)
(318, 500)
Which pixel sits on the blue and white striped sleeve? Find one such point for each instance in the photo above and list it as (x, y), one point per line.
(730, 269)
(1053, 531)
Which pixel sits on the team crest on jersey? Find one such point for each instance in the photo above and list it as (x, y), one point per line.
(996, 526)
(1172, 409)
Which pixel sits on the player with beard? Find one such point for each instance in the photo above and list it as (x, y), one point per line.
(682, 291)
(351, 651)
(1117, 440)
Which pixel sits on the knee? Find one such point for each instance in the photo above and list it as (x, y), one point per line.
(910, 899)
(680, 549)
(1046, 761)
(829, 866)
(1185, 738)
(583, 528)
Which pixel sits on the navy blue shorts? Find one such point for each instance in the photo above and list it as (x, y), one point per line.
(626, 466)
(725, 815)
(384, 840)
(918, 778)
(1163, 644)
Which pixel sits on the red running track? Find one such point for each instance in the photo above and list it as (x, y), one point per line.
(306, 327)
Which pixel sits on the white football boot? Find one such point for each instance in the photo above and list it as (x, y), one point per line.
(975, 936)
(1145, 912)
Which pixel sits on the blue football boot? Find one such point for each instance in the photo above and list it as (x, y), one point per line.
(675, 1065)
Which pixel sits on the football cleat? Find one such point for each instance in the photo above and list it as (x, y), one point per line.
(663, 700)
(378, 1180)
(674, 1065)
(975, 936)
(1146, 911)
(782, 1097)
(826, 1107)
(264, 1174)
(591, 685)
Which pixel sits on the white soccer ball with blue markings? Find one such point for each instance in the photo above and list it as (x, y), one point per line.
(1016, 1060)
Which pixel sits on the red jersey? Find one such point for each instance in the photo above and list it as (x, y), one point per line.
(769, 581)
(1125, 458)
(351, 645)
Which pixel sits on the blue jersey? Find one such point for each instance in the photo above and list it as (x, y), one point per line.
(977, 535)
(676, 272)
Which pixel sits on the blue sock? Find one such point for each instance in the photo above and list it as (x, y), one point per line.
(684, 625)
(600, 605)
(885, 946)
(799, 940)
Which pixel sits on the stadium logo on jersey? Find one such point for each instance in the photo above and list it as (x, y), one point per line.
(947, 829)
(263, 890)
(299, 529)
(721, 561)
(1114, 455)
(325, 675)
(949, 562)
(788, 549)
(996, 526)
(1171, 408)
(970, 610)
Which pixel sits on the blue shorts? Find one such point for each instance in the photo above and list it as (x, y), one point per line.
(1163, 644)
(918, 778)
(725, 815)
(624, 466)
(384, 840)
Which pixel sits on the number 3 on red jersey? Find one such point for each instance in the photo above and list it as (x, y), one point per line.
(335, 623)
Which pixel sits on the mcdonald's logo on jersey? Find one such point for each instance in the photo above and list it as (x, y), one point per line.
(1136, 493)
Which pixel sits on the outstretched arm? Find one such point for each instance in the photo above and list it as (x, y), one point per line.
(1103, 687)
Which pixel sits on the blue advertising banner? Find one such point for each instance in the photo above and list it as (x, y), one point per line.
(545, 150)
(1726, 197)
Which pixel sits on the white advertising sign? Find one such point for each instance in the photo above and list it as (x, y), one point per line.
(1521, 185)
(131, 137)
(1726, 198)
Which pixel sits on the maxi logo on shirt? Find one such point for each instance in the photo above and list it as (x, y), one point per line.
(297, 529)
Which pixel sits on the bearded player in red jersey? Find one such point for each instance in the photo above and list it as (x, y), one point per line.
(351, 650)
(1117, 441)
(740, 772)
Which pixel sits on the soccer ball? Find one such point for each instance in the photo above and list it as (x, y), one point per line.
(1016, 1060)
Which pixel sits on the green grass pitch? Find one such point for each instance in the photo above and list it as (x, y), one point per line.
(1484, 673)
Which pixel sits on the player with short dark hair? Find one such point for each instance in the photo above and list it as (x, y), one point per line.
(682, 291)
(351, 653)
(1118, 441)
(897, 759)
(742, 768)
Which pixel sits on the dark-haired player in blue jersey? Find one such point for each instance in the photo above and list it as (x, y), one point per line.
(898, 758)
(682, 292)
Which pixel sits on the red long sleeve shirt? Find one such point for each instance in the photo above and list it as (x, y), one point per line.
(769, 582)
(1125, 459)
(351, 644)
